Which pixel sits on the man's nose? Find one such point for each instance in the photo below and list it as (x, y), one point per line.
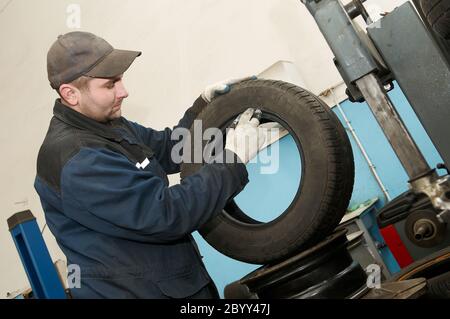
(121, 91)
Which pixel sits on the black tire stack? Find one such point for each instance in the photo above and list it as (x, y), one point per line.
(437, 13)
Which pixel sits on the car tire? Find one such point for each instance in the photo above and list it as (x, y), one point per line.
(437, 12)
(326, 179)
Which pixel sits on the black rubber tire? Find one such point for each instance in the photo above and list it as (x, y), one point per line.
(327, 173)
(435, 268)
(439, 287)
(437, 12)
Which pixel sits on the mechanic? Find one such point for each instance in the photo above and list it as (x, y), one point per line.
(102, 180)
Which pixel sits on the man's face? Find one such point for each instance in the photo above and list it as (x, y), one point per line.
(102, 100)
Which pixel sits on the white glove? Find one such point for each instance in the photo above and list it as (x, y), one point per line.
(247, 138)
(273, 131)
(221, 87)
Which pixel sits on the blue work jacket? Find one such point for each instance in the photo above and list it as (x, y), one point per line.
(127, 230)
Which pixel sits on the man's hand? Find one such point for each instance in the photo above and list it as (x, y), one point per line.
(247, 138)
(222, 87)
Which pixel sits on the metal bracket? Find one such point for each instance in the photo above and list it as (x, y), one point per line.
(438, 190)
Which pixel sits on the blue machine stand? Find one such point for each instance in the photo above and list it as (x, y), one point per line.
(35, 257)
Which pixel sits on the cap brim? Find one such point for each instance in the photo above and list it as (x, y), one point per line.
(114, 64)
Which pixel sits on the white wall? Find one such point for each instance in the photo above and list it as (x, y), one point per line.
(186, 45)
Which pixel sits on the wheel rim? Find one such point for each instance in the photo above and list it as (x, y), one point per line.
(243, 208)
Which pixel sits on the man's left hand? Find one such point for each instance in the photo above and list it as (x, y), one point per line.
(222, 87)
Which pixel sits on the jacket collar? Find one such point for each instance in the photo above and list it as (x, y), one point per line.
(78, 120)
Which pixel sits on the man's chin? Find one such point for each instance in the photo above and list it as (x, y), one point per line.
(114, 116)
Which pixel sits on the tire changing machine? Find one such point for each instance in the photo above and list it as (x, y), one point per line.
(401, 47)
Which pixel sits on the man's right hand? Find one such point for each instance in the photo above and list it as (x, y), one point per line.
(247, 138)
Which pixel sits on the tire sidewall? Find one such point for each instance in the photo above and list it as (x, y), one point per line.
(291, 226)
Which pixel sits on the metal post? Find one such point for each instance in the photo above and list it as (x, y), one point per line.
(358, 65)
(397, 134)
(35, 257)
(353, 56)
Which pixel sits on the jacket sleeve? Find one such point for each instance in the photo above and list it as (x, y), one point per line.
(161, 142)
(103, 191)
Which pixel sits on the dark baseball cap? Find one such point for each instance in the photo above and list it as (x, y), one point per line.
(75, 54)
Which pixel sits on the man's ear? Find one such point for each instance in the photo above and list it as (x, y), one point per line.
(70, 94)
